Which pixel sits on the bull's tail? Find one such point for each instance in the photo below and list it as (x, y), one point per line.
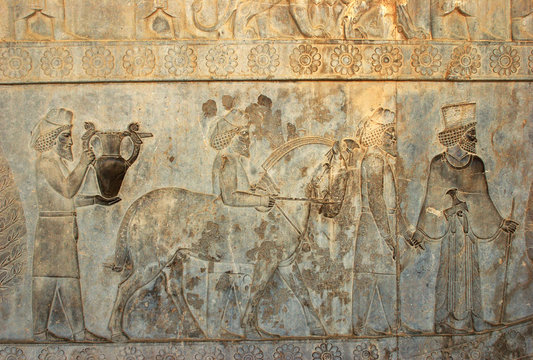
(123, 259)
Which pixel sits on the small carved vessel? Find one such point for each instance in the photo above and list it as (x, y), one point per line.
(110, 166)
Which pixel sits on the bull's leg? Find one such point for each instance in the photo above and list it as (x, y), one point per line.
(139, 277)
(262, 274)
(293, 278)
(173, 286)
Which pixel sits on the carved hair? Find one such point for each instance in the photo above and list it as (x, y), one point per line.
(451, 137)
(47, 140)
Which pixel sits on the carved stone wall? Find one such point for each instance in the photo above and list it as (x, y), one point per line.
(277, 179)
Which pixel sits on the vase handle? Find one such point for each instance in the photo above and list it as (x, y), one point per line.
(135, 137)
(90, 131)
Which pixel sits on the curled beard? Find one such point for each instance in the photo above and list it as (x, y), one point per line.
(468, 146)
(66, 153)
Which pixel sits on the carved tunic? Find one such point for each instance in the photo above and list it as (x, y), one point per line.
(56, 236)
(372, 254)
(458, 301)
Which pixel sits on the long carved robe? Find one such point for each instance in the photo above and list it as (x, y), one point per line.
(458, 297)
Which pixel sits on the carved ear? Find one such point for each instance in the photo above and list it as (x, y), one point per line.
(350, 143)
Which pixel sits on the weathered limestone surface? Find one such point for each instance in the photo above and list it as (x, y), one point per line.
(281, 179)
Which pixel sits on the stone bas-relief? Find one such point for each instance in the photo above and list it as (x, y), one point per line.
(266, 179)
(335, 220)
(274, 19)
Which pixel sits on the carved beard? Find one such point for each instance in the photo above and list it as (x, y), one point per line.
(65, 151)
(241, 147)
(244, 149)
(467, 145)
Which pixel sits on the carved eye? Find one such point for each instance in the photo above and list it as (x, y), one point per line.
(471, 135)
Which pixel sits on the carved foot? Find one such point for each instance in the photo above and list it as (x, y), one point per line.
(119, 337)
(317, 331)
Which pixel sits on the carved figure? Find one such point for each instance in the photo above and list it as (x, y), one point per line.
(380, 19)
(221, 227)
(529, 224)
(522, 19)
(470, 19)
(471, 217)
(56, 274)
(374, 302)
(243, 11)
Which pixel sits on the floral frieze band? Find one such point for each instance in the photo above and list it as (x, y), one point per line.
(260, 60)
(509, 343)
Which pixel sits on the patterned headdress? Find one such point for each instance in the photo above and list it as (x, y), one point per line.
(224, 129)
(46, 131)
(458, 119)
(372, 130)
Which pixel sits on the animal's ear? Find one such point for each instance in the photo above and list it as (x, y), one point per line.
(350, 143)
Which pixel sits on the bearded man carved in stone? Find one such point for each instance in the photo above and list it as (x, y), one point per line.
(56, 274)
(458, 211)
(230, 135)
(374, 301)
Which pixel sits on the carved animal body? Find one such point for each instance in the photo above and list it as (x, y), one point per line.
(243, 11)
(164, 226)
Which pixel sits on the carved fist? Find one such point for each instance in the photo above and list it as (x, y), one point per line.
(88, 157)
(268, 201)
(509, 226)
(416, 240)
(99, 200)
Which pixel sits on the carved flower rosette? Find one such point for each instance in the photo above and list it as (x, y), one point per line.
(87, 354)
(248, 352)
(98, 61)
(465, 62)
(221, 60)
(346, 59)
(387, 60)
(504, 60)
(215, 354)
(171, 353)
(12, 353)
(180, 60)
(366, 352)
(57, 62)
(263, 60)
(139, 61)
(327, 351)
(426, 60)
(15, 63)
(130, 353)
(288, 351)
(52, 353)
(305, 59)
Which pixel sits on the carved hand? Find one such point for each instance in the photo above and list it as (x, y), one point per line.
(509, 226)
(268, 201)
(99, 200)
(416, 240)
(87, 157)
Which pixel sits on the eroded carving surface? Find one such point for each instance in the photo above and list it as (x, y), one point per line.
(165, 193)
